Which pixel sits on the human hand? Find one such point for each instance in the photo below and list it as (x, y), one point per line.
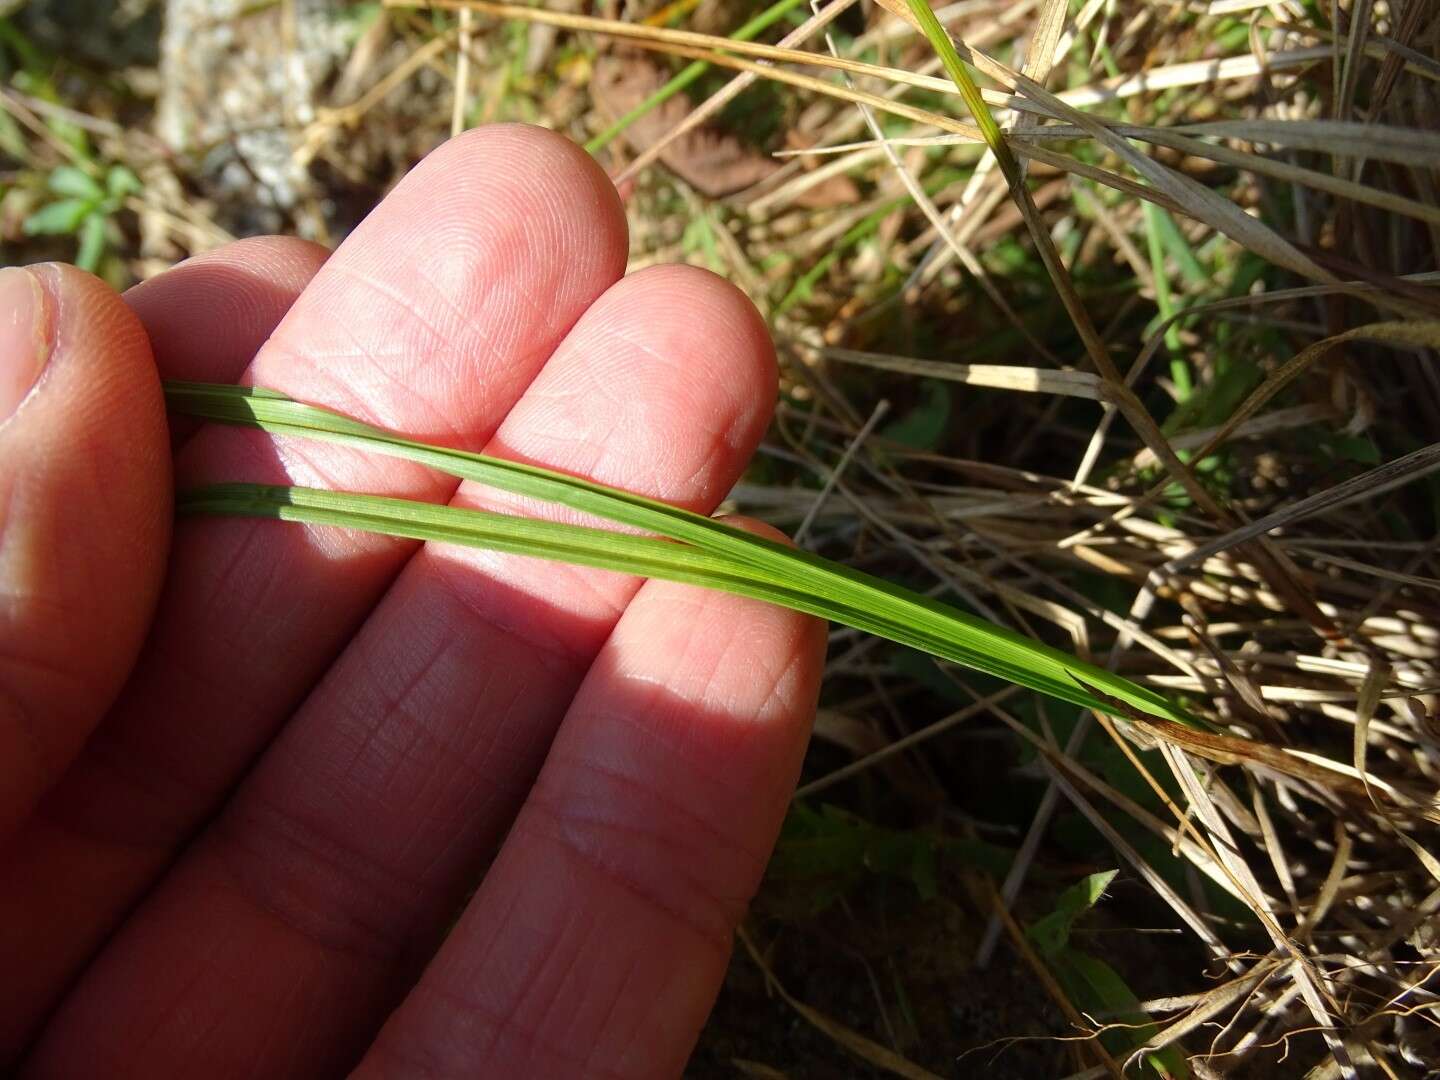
(246, 790)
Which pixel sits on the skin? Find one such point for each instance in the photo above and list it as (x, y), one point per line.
(288, 801)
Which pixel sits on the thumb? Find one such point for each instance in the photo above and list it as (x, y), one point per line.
(84, 516)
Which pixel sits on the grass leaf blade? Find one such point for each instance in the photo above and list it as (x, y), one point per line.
(695, 549)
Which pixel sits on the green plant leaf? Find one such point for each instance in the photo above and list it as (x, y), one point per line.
(830, 850)
(120, 182)
(703, 552)
(12, 140)
(75, 183)
(1095, 987)
(1052, 933)
(1098, 989)
(58, 218)
(92, 242)
(1179, 368)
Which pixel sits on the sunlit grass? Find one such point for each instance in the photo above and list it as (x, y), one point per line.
(696, 550)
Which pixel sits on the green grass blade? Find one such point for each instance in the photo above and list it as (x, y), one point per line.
(696, 550)
(645, 556)
(960, 75)
(1165, 303)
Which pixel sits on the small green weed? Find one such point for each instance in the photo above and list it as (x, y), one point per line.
(1093, 986)
(86, 210)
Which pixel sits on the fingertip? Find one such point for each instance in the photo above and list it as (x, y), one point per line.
(539, 177)
(84, 528)
(207, 317)
(92, 321)
(665, 387)
(727, 317)
(548, 154)
(443, 304)
(727, 335)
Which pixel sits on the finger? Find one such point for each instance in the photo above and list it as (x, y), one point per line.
(431, 318)
(205, 318)
(84, 517)
(245, 287)
(599, 939)
(329, 877)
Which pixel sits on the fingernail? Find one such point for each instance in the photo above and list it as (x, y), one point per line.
(26, 336)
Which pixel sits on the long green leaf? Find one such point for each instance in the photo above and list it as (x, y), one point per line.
(696, 549)
(57, 218)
